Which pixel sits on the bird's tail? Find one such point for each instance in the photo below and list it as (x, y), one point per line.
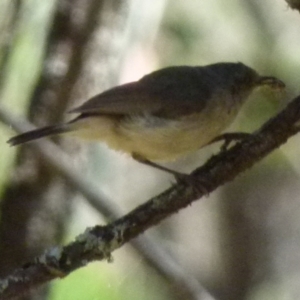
(38, 133)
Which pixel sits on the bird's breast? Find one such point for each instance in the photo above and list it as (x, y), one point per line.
(163, 139)
(157, 138)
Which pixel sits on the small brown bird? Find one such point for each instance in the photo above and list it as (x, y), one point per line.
(164, 115)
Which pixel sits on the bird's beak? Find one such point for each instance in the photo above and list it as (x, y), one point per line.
(273, 82)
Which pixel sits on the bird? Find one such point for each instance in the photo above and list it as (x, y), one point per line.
(165, 115)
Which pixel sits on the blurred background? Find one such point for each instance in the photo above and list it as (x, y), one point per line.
(240, 242)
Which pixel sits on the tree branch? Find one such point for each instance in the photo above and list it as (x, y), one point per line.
(99, 242)
(152, 253)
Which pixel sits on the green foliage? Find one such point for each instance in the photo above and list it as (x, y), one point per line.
(98, 281)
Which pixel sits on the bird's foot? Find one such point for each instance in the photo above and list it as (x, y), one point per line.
(198, 185)
(228, 138)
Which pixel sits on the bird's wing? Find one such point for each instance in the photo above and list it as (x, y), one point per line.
(168, 92)
(128, 98)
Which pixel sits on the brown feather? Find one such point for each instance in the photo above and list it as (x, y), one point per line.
(152, 95)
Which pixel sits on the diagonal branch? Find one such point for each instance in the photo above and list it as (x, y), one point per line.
(97, 243)
(155, 256)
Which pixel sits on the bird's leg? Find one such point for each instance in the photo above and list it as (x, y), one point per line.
(147, 162)
(180, 177)
(228, 138)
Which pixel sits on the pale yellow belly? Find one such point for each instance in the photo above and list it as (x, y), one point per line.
(155, 138)
(172, 140)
